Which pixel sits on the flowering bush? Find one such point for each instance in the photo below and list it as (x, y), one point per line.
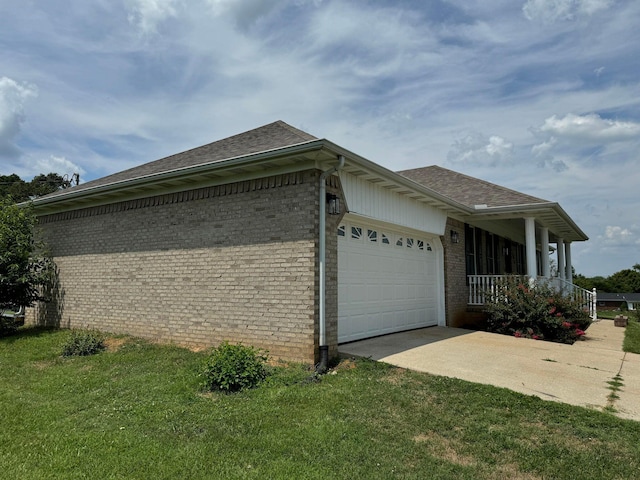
(540, 313)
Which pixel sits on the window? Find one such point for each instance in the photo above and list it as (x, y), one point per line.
(372, 235)
(385, 239)
(341, 231)
(356, 233)
(399, 242)
(409, 242)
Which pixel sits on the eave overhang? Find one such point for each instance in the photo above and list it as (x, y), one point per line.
(546, 214)
(320, 154)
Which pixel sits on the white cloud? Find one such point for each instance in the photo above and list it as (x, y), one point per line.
(554, 10)
(54, 164)
(589, 128)
(478, 149)
(12, 99)
(148, 14)
(615, 235)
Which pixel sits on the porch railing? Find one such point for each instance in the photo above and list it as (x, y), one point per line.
(483, 286)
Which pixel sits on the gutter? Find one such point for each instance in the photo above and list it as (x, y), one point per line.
(118, 185)
(322, 366)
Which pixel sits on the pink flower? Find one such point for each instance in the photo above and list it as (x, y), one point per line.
(566, 325)
(579, 332)
(559, 314)
(552, 311)
(535, 337)
(517, 334)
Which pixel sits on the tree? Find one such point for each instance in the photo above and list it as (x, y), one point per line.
(12, 186)
(626, 281)
(24, 270)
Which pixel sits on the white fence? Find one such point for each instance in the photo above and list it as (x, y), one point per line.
(483, 286)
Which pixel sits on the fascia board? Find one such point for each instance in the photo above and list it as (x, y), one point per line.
(123, 185)
(523, 210)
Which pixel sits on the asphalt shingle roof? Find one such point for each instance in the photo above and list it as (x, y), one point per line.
(268, 137)
(467, 190)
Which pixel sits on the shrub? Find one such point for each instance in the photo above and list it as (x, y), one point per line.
(232, 368)
(540, 313)
(8, 326)
(82, 343)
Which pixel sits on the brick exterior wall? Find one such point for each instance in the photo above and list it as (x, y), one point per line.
(455, 275)
(236, 262)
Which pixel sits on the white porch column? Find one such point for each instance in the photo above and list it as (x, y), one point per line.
(530, 244)
(561, 265)
(568, 270)
(544, 246)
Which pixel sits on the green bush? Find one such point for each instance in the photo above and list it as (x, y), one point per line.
(83, 342)
(8, 326)
(540, 313)
(232, 368)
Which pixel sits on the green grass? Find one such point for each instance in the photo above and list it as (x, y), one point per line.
(137, 412)
(610, 314)
(632, 337)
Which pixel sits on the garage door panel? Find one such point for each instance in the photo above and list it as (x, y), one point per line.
(384, 288)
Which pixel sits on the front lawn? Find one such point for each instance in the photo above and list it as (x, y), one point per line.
(632, 337)
(136, 411)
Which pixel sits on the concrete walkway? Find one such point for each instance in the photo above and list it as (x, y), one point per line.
(575, 374)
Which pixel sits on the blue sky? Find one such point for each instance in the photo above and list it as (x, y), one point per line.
(542, 96)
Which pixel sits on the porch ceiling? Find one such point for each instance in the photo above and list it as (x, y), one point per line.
(549, 215)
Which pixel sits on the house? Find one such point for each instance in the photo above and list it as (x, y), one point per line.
(613, 301)
(287, 242)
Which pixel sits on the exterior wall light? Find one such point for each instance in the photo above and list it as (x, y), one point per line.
(455, 238)
(333, 204)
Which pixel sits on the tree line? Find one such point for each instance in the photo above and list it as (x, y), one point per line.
(624, 281)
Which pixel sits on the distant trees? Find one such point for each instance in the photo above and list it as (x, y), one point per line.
(12, 186)
(624, 281)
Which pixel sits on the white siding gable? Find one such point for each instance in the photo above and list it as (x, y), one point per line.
(369, 200)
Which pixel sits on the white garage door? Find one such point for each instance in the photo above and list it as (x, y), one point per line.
(387, 281)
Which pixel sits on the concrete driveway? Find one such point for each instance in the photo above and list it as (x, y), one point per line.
(575, 374)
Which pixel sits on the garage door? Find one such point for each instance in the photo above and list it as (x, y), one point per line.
(387, 281)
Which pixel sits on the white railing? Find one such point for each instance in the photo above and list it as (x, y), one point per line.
(481, 286)
(587, 299)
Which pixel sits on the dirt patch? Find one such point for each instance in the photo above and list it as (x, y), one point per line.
(346, 364)
(114, 344)
(444, 448)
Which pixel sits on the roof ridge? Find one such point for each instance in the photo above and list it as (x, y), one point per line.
(293, 130)
(267, 137)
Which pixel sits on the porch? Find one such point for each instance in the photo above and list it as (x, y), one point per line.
(483, 287)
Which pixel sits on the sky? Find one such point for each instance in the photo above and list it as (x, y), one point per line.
(541, 96)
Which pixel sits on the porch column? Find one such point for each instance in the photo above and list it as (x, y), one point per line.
(561, 265)
(530, 244)
(568, 270)
(544, 246)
